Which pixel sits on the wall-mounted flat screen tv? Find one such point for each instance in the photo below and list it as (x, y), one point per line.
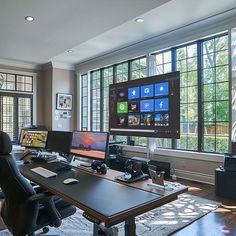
(148, 107)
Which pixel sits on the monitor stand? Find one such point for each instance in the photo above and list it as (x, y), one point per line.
(81, 162)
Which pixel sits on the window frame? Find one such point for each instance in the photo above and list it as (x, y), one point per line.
(21, 93)
(199, 101)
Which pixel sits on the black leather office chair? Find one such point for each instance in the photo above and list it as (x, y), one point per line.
(24, 211)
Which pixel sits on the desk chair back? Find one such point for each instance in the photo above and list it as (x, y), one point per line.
(18, 214)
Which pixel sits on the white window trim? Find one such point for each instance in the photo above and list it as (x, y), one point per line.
(176, 153)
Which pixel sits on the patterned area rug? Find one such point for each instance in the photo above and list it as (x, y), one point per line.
(161, 221)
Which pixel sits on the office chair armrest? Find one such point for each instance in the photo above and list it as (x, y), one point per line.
(46, 199)
(40, 197)
(39, 189)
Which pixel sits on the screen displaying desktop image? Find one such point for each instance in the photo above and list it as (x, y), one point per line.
(59, 141)
(148, 107)
(33, 138)
(93, 145)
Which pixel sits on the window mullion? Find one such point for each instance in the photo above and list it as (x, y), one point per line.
(200, 91)
(129, 78)
(174, 66)
(101, 98)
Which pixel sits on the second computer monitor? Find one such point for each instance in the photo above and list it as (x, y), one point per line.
(59, 141)
(33, 138)
(93, 145)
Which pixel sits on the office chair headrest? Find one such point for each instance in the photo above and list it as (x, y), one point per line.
(5, 143)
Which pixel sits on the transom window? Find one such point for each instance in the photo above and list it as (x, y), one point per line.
(16, 103)
(12, 82)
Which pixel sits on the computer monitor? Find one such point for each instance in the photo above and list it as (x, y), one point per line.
(33, 138)
(149, 107)
(59, 141)
(92, 145)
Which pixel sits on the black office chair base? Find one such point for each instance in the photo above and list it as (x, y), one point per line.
(45, 230)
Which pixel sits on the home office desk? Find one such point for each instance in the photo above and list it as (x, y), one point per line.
(102, 197)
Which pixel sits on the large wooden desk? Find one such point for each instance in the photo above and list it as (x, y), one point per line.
(102, 197)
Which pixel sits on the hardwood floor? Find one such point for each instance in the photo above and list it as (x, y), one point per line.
(218, 223)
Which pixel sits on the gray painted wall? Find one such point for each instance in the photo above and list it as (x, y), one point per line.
(47, 97)
(63, 81)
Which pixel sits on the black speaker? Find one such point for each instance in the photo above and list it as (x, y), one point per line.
(233, 147)
(161, 166)
(229, 162)
(225, 186)
(99, 166)
(114, 149)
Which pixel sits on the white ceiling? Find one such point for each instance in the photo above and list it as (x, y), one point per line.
(91, 29)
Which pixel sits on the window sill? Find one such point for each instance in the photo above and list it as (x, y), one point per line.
(190, 155)
(130, 148)
(177, 153)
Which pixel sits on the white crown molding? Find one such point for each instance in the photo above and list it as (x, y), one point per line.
(20, 64)
(187, 33)
(47, 66)
(64, 66)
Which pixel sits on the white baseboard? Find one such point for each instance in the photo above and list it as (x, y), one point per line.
(199, 177)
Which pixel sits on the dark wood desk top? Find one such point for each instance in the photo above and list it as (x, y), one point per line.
(100, 196)
(143, 185)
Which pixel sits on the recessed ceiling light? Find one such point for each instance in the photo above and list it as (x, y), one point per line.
(29, 18)
(69, 51)
(139, 20)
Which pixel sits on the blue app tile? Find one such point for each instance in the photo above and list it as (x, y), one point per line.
(147, 91)
(162, 104)
(133, 93)
(162, 89)
(147, 105)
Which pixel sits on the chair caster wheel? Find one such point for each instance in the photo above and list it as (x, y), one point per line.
(45, 230)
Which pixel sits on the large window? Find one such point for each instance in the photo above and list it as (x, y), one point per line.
(204, 92)
(16, 101)
(121, 72)
(107, 79)
(138, 70)
(84, 103)
(215, 94)
(187, 64)
(163, 64)
(121, 75)
(95, 98)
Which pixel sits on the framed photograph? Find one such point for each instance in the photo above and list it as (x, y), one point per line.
(64, 101)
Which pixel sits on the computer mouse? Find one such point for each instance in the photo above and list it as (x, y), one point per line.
(70, 181)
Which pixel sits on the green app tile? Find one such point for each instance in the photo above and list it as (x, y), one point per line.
(122, 107)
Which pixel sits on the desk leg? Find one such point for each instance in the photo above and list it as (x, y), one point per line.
(130, 227)
(95, 230)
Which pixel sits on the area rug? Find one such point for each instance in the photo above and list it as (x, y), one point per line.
(161, 221)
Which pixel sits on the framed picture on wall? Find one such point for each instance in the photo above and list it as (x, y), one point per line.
(64, 101)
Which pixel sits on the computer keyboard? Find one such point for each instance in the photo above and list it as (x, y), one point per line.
(44, 172)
